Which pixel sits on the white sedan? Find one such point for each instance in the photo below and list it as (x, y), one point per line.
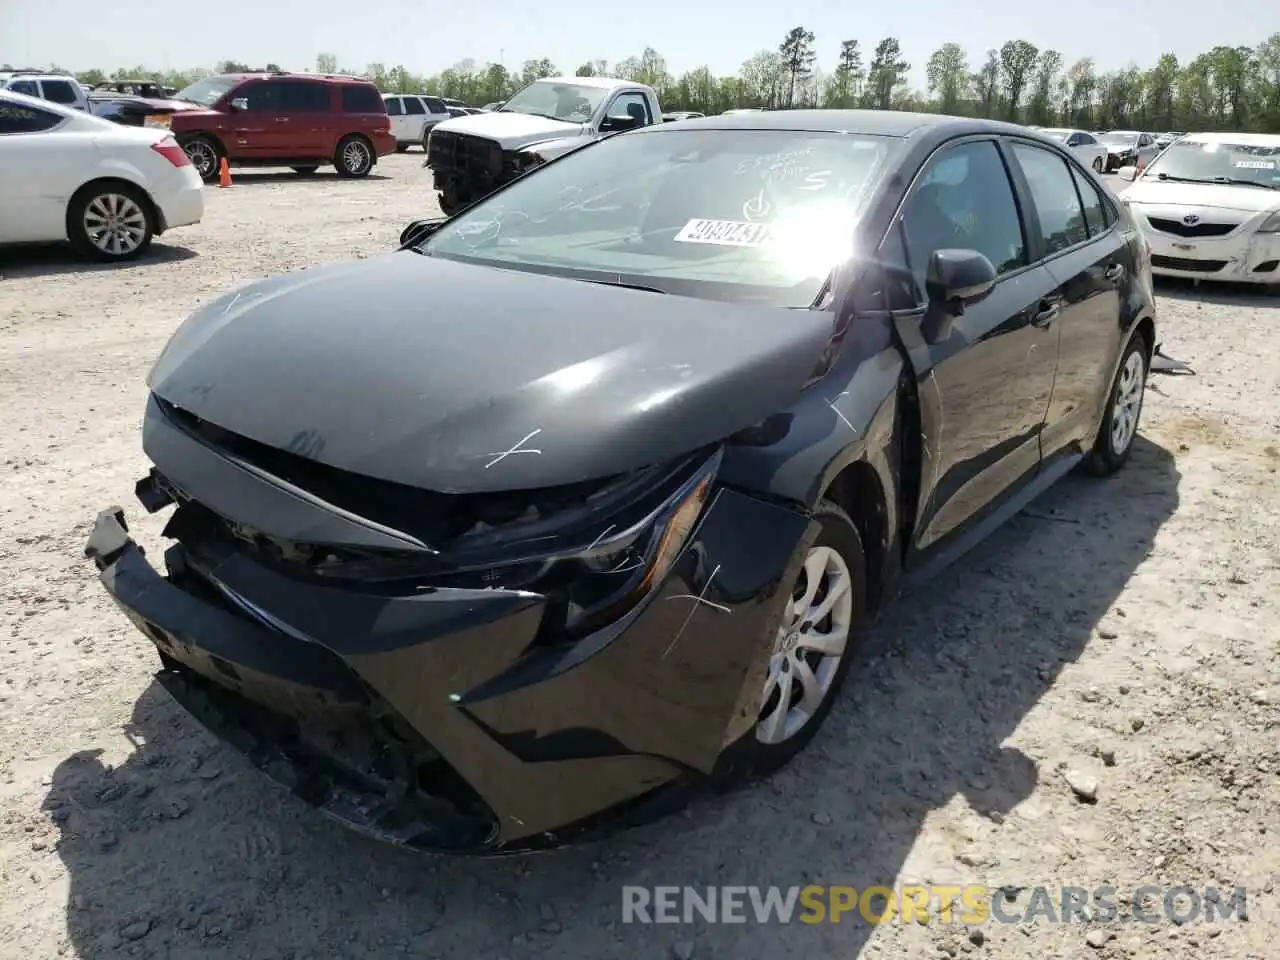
(106, 188)
(1082, 143)
(1209, 207)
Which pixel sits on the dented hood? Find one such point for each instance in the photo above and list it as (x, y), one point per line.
(510, 129)
(461, 378)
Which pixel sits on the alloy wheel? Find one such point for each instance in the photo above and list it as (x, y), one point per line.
(809, 647)
(203, 157)
(1128, 402)
(115, 224)
(355, 156)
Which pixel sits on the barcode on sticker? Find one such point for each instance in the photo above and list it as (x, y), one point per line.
(725, 233)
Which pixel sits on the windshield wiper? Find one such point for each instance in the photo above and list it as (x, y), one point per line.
(620, 283)
(1229, 181)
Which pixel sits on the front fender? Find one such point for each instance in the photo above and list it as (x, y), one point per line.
(551, 149)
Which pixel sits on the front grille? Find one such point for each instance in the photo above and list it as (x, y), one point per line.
(1180, 229)
(1186, 263)
(463, 154)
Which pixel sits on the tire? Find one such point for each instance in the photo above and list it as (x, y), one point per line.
(1097, 165)
(205, 155)
(1114, 443)
(837, 553)
(402, 147)
(307, 170)
(110, 221)
(449, 202)
(426, 135)
(354, 157)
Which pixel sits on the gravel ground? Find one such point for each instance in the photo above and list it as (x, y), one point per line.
(1113, 638)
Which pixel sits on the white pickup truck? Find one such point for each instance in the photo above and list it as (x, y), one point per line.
(470, 157)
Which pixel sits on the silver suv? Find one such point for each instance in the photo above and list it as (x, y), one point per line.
(54, 87)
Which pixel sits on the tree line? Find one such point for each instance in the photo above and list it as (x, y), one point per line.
(1226, 88)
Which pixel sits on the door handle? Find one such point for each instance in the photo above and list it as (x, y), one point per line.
(1113, 272)
(1046, 314)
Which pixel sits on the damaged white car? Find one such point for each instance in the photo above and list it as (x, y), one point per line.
(1209, 207)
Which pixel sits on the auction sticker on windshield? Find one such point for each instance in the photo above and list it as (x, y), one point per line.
(724, 233)
(1255, 165)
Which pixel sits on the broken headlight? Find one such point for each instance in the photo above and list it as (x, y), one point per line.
(1271, 224)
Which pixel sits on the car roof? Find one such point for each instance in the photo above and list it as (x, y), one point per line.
(883, 123)
(320, 77)
(1244, 139)
(604, 83)
(40, 76)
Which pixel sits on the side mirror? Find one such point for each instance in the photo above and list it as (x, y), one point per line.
(954, 279)
(240, 103)
(1129, 173)
(419, 230)
(615, 124)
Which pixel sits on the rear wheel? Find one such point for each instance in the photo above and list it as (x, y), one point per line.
(814, 640)
(1097, 164)
(204, 156)
(1114, 443)
(354, 157)
(110, 222)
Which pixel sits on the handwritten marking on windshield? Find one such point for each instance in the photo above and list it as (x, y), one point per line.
(518, 448)
(698, 601)
(836, 410)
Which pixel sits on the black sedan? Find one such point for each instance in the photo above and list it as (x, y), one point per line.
(585, 496)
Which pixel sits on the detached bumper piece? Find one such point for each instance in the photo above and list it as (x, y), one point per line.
(436, 717)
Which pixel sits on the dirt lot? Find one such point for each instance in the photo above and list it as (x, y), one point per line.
(1117, 631)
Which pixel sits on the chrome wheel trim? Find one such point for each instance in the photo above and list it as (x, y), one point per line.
(355, 157)
(1128, 402)
(115, 224)
(810, 644)
(202, 156)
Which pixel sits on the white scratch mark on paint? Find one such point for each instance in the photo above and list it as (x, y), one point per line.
(699, 600)
(518, 448)
(836, 410)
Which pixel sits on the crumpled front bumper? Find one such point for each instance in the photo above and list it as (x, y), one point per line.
(1242, 257)
(529, 747)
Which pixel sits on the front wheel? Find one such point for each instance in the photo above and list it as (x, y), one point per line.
(1097, 165)
(449, 202)
(354, 157)
(814, 640)
(1114, 442)
(110, 222)
(204, 156)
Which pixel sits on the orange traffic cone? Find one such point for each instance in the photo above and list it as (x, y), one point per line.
(224, 173)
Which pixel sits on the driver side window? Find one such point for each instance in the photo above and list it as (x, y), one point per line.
(625, 105)
(963, 200)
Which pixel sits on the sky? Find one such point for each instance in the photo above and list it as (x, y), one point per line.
(429, 37)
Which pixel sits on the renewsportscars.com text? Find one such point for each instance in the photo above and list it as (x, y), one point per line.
(970, 904)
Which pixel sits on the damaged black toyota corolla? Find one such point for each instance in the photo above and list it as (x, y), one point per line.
(584, 496)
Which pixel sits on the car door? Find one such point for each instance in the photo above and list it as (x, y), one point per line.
(300, 127)
(256, 130)
(415, 119)
(984, 388)
(42, 167)
(1076, 230)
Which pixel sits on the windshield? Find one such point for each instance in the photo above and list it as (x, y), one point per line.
(757, 216)
(1056, 134)
(206, 92)
(1204, 160)
(1119, 139)
(570, 102)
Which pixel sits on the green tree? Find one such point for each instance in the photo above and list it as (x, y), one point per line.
(845, 87)
(1047, 69)
(798, 58)
(948, 75)
(326, 63)
(887, 71)
(1017, 60)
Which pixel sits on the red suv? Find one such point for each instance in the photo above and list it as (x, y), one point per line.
(282, 120)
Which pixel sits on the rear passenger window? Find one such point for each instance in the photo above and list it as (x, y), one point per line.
(413, 106)
(362, 98)
(59, 91)
(299, 96)
(25, 86)
(1096, 212)
(19, 118)
(1053, 190)
(393, 107)
(434, 105)
(964, 200)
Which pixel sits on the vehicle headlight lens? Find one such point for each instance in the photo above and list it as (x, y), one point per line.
(1271, 224)
(528, 159)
